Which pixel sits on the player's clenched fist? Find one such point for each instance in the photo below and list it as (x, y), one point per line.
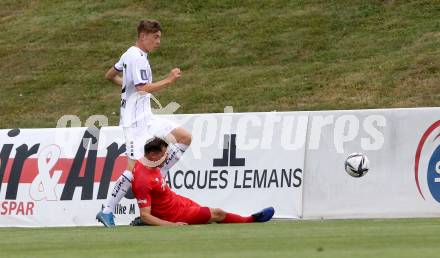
(174, 74)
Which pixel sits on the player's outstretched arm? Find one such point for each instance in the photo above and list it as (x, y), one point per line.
(113, 75)
(149, 219)
(159, 85)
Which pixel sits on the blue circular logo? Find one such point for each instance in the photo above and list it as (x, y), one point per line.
(434, 174)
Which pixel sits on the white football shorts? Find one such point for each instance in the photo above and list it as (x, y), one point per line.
(136, 137)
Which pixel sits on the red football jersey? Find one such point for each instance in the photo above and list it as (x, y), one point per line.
(151, 189)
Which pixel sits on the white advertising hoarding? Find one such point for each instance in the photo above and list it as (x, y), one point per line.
(238, 162)
(251, 160)
(395, 186)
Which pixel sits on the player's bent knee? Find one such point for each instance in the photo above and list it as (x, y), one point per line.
(181, 135)
(187, 139)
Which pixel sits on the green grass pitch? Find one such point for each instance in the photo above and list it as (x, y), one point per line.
(330, 238)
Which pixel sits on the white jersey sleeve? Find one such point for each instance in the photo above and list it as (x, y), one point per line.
(141, 72)
(119, 66)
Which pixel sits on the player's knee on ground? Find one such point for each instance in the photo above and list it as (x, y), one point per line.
(217, 215)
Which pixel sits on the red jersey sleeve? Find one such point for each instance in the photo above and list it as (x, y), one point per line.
(141, 187)
(143, 196)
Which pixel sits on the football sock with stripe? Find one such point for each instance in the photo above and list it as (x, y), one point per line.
(174, 154)
(120, 189)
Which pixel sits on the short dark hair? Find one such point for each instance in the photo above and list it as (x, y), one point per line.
(155, 145)
(148, 26)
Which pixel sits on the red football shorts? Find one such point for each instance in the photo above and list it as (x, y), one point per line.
(193, 213)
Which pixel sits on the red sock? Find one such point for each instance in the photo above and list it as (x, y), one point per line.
(234, 218)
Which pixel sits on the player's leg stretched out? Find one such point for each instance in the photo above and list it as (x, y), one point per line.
(220, 216)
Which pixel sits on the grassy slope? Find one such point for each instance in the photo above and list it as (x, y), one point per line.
(253, 55)
(338, 239)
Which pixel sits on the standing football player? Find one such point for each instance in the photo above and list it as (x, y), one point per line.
(138, 122)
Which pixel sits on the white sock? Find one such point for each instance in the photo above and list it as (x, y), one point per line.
(121, 187)
(182, 147)
(174, 155)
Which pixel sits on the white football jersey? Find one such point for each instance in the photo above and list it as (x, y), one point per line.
(135, 106)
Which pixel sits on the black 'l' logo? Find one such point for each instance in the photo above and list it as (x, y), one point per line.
(229, 153)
